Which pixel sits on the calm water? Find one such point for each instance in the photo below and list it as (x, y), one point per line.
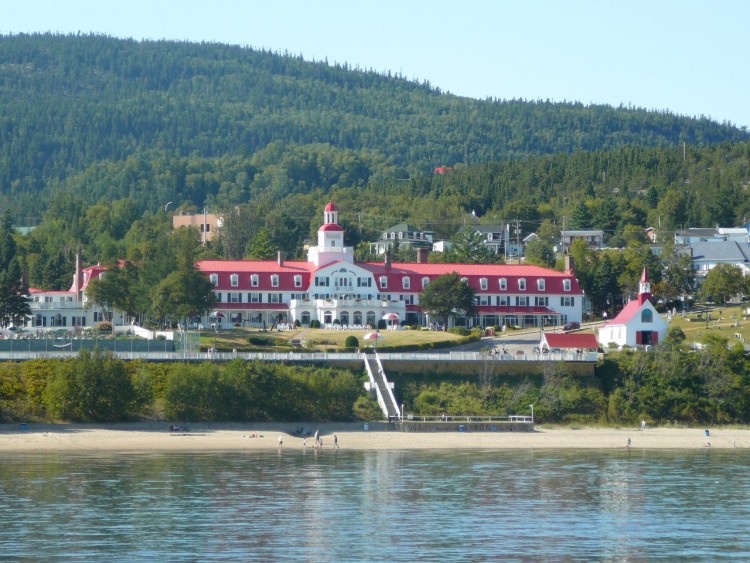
(377, 506)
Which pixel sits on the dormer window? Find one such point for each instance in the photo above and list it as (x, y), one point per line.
(214, 278)
(254, 281)
(383, 282)
(521, 284)
(405, 282)
(297, 281)
(566, 285)
(274, 280)
(425, 282)
(234, 280)
(540, 284)
(483, 284)
(503, 284)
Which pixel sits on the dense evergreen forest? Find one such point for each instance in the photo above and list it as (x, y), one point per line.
(206, 123)
(98, 136)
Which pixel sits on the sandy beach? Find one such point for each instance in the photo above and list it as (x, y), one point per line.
(156, 437)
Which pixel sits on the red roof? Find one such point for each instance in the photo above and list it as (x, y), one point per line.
(331, 207)
(577, 341)
(331, 227)
(553, 280)
(630, 310)
(395, 274)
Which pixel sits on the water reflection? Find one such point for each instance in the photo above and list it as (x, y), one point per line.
(379, 505)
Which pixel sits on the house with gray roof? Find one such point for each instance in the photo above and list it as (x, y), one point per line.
(706, 255)
(401, 235)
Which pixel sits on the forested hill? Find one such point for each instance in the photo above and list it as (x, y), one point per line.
(69, 102)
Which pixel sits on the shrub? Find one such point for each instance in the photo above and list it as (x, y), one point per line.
(351, 342)
(461, 331)
(315, 324)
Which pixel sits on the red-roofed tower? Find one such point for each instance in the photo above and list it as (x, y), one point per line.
(644, 288)
(330, 240)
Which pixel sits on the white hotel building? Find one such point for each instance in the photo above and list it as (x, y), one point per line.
(331, 288)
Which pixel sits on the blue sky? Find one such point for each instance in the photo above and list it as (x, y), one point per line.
(687, 57)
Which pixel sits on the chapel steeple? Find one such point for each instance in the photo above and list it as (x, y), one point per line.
(644, 288)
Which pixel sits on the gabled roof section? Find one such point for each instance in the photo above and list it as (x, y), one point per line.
(721, 251)
(624, 316)
(254, 266)
(474, 272)
(568, 341)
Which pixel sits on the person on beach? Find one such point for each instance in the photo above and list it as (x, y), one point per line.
(281, 442)
(335, 441)
(317, 437)
(643, 424)
(628, 444)
(304, 442)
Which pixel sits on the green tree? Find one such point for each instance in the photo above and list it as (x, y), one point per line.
(447, 296)
(581, 218)
(540, 252)
(118, 289)
(678, 275)
(723, 282)
(182, 293)
(14, 303)
(96, 386)
(468, 248)
(262, 246)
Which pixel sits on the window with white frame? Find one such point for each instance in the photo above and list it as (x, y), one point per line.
(254, 280)
(383, 282)
(235, 297)
(567, 301)
(214, 279)
(234, 280)
(484, 300)
(566, 285)
(522, 300)
(540, 284)
(255, 298)
(521, 284)
(483, 284)
(274, 280)
(503, 300)
(274, 297)
(503, 284)
(406, 282)
(542, 301)
(297, 281)
(425, 282)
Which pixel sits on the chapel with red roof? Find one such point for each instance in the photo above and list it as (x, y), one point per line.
(638, 324)
(331, 287)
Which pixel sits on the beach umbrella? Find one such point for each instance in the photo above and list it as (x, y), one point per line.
(374, 336)
(391, 318)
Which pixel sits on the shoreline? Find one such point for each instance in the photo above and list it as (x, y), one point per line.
(155, 437)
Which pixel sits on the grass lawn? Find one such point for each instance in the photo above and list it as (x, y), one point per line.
(725, 320)
(317, 339)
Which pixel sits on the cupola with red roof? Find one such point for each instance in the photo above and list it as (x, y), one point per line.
(330, 240)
